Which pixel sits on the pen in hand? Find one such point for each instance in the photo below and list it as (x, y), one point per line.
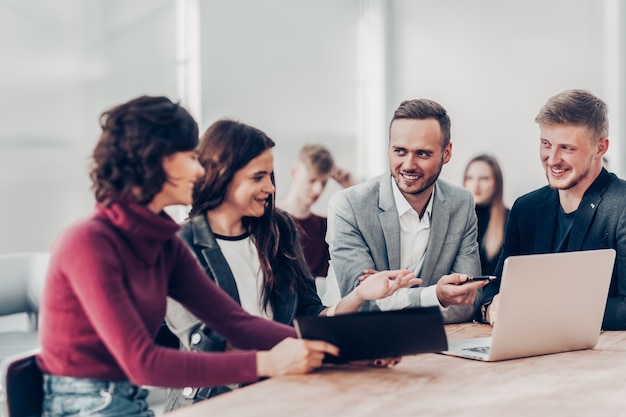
(482, 278)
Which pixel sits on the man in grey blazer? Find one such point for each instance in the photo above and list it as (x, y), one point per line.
(408, 218)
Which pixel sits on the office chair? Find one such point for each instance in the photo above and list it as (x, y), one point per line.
(21, 386)
(22, 277)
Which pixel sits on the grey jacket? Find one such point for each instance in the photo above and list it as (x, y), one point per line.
(364, 232)
(194, 335)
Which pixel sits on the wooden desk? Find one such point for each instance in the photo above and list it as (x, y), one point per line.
(582, 383)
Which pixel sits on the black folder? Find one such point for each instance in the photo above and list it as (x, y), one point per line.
(377, 334)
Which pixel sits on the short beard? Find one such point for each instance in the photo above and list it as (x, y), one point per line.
(427, 183)
(570, 184)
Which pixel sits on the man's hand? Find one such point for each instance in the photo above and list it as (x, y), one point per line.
(343, 177)
(492, 309)
(455, 289)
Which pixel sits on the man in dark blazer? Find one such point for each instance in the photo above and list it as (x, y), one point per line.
(583, 206)
(409, 218)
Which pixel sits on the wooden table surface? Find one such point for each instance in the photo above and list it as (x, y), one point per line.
(581, 383)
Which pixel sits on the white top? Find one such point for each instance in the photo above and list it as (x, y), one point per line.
(243, 260)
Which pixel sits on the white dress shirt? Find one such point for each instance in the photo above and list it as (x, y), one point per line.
(414, 234)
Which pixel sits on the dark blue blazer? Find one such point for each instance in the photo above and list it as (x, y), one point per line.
(599, 223)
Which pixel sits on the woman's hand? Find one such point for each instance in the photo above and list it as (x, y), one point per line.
(293, 356)
(378, 363)
(375, 285)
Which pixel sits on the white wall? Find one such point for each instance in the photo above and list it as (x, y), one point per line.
(289, 67)
(62, 64)
(493, 64)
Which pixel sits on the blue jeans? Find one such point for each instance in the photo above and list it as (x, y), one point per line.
(67, 396)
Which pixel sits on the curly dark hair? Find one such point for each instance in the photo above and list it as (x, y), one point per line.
(136, 136)
(225, 148)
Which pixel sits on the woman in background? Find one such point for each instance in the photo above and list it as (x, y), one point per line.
(250, 248)
(483, 177)
(110, 274)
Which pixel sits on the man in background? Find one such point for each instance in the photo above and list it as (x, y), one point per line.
(309, 175)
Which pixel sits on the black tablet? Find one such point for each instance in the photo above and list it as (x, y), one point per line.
(377, 334)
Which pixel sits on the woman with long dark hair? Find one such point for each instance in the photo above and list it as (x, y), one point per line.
(110, 275)
(483, 177)
(251, 248)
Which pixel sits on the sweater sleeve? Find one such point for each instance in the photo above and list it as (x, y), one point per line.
(98, 280)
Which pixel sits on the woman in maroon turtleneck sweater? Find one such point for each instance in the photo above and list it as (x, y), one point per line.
(111, 272)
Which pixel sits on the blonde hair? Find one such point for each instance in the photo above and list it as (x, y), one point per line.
(317, 158)
(576, 107)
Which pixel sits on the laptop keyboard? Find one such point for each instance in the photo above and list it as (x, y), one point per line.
(478, 349)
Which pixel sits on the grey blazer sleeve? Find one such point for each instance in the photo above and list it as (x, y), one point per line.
(350, 253)
(452, 246)
(466, 261)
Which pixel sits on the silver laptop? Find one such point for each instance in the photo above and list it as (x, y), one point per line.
(549, 303)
